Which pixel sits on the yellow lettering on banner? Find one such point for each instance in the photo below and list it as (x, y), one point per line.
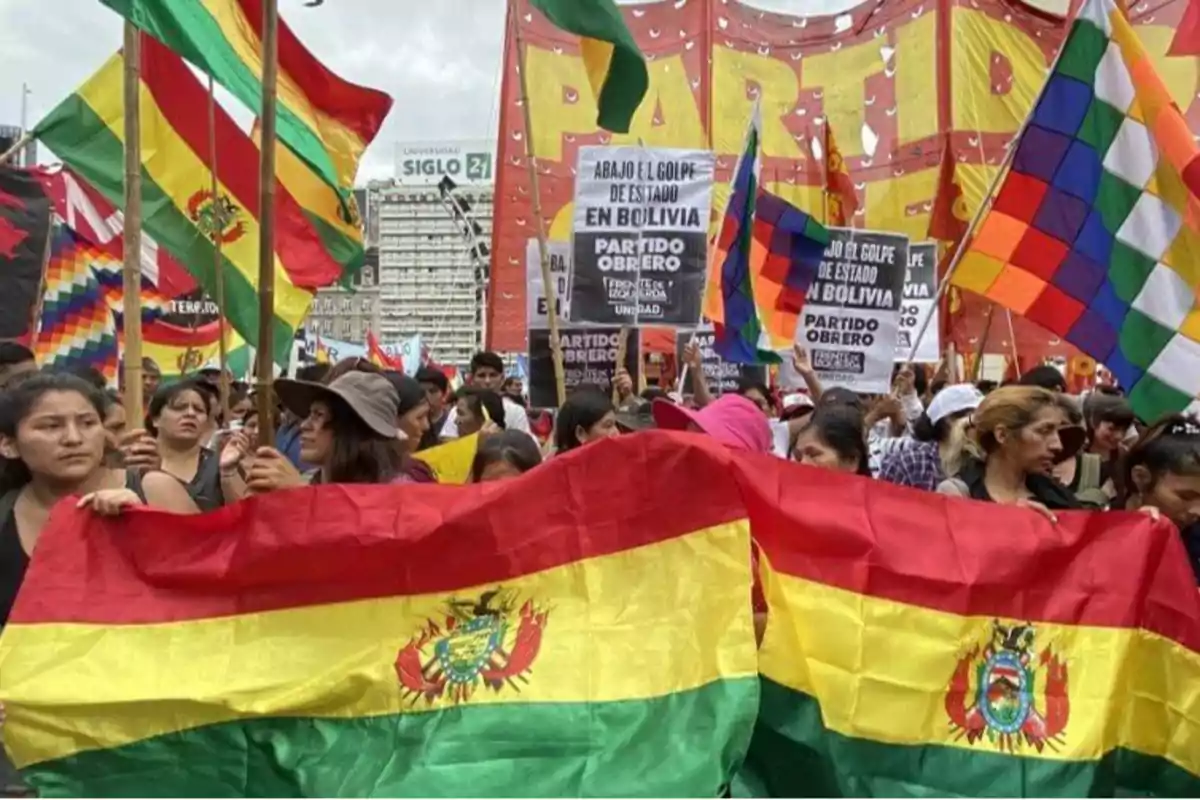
(887, 203)
(1179, 75)
(916, 79)
(733, 73)
(977, 105)
(552, 77)
(670, 98)
(842, 75)
(555, 77)
(808, 199)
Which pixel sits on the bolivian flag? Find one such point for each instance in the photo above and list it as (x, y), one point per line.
(87, 132)
(397, 641)
(325, 120)
(922, 646)
(615, 66)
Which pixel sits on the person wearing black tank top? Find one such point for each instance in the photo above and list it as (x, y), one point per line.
(52, 446)
(179, 417)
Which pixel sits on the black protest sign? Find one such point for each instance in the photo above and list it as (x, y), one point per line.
(640, 235)
(851, 318)
(589, 357)
(920, 293)
(722, 376)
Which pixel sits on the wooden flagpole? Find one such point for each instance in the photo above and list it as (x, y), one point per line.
(217, 221)
(132, 229)
(266, 215)
(560, 379)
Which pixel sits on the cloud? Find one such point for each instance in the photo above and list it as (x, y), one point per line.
(439, 60)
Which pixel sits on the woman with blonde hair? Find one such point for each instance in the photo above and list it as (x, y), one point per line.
(1012, 447)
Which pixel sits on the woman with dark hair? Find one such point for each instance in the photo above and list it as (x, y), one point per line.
(586, 417)
(348, 431)
(1108, 419)
(478, 410)
(1012, 447)
(53, 445)
(833, 439)
(1081, 473)
(412, 415)
(1162, 471)
(508, 454)
(179, 417)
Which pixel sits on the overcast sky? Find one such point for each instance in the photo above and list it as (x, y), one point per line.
(439, 59)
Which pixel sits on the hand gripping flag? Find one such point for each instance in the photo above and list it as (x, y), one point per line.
(1095, 232)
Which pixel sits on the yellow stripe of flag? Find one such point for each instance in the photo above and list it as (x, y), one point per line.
(884, 671)
(612, 615)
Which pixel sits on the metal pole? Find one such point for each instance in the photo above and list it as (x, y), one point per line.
(560, 380)
(15, 149)
(132, 233)
(25, 92)
(218, 225)
(266, 211)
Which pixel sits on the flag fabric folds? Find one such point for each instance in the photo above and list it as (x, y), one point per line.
(553, 656)
(766, 255)
(615, 66)
(76, 327)
(325, 120)
(377, 356)
(25, 219)
(840, 198)
(94, 218)
(87, 132)
(949, 218)
(281, 648)
(82, 315)
(1095, 231)
(910, 652)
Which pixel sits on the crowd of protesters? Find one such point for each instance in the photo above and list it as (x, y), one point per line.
(1027, 444)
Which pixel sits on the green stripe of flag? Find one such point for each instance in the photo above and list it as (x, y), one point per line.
(793, 754)
(186, 27)
(626, 79)
(81, 139)
(685, 744)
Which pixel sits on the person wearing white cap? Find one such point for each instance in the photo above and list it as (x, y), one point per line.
(921, 462)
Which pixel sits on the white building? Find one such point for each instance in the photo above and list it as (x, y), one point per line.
(430, 281)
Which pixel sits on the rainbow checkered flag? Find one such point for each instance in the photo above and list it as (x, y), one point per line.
(1095, 232)
(761, 266)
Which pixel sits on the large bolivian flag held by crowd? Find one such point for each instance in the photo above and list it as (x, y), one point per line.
(422, 641)
(921, 646)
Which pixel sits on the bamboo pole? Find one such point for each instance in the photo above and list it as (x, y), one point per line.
(132, 229)
(977, 367)
(1012, 341)
(622, 355)
(560, 380)
(218, 223)
(266, 211)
